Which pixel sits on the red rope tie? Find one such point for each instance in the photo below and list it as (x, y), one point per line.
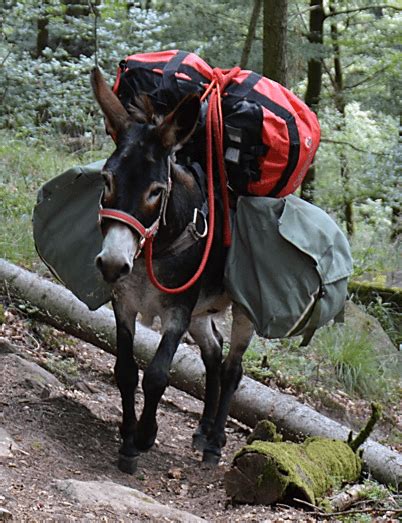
(222, 79)
(214, 133)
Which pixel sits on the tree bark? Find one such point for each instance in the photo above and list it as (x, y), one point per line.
(314, 66)
(345, 499)
(275, 40)
(42, 35)
(252, 402)
(340, 105)
(250, 34)
(314, 82)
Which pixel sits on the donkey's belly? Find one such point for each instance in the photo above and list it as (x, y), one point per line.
(138, 292)
(211, 303)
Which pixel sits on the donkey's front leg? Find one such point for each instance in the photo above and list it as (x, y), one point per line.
(156, 376)
(231, 373)
(205, 334)
(126, 374)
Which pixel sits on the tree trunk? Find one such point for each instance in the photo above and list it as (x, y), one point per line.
(252, 402)
(314, 82)
(340, 105)
(275, 40)
(42, 35)
(396, 217)
(79, 11)
(250, 34)
(314, 66)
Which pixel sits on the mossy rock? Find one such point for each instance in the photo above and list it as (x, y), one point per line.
(267, 472)
(366, 292)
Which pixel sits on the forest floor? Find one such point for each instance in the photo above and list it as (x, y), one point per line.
(63, 426)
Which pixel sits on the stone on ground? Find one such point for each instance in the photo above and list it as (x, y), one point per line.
(121, 499)
(7, 444)
(32, 373)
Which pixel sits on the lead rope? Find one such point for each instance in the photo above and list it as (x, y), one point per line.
(214, 129)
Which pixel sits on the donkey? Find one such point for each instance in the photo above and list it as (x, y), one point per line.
(138, 188)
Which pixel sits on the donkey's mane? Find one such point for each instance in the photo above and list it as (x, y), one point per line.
(143, 110)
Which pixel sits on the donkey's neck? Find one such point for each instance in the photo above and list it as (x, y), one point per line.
(185, 196)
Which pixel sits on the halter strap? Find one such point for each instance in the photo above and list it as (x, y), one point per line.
(146, 233)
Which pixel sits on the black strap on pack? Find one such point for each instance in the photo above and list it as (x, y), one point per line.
(169, 81)
(246, 91)
(314, 319)
(242, 90)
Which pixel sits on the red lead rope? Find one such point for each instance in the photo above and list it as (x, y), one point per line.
(214, 133)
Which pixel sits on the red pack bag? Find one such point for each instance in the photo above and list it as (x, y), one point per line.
(270, 135)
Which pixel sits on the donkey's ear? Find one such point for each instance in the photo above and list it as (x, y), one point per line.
(179, 125)
(116, 116)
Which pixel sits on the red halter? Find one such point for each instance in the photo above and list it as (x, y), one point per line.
(121, 216)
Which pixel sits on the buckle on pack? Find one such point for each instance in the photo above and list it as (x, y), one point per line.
(194, 230)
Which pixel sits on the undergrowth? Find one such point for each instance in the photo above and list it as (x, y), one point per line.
(340, 357)
(24, 166)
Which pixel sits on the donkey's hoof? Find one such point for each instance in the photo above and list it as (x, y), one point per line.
(211, 459)
(199, 441)
(127, 464)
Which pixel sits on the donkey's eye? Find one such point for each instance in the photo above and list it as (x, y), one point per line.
(155, 192)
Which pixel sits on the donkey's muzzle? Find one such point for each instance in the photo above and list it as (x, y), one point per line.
(115, 261)
(112, 269)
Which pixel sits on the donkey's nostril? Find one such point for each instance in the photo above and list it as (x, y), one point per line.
(98, 262)
(112, 269)
(125, 270)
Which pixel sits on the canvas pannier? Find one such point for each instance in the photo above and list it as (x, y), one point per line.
(288, 266)
(270, 135)
(66, 231)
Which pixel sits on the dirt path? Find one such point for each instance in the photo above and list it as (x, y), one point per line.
(69, 430)
(64, 427)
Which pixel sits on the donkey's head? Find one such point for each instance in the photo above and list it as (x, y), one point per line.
(137, 181)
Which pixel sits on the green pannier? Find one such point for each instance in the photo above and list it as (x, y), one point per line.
(288, 266)
(66, 231)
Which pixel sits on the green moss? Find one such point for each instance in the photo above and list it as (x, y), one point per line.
(367, 290)
(306, 470)
(325, 505)
(366, 431)
(265, 430)
(2, 315)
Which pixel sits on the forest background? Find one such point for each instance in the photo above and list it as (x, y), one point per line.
(341, 57)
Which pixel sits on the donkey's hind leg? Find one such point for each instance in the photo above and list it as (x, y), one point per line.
(231, 373)
(210, 342)
(126, 374)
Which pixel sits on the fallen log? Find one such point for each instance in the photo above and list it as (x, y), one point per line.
(252, 402)
(345, 498)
